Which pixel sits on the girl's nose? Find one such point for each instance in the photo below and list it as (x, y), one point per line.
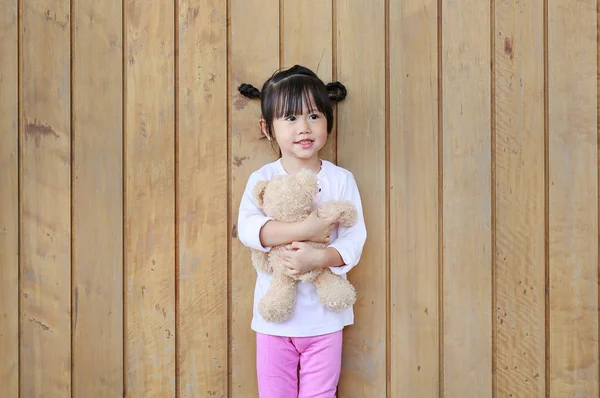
(304, 128)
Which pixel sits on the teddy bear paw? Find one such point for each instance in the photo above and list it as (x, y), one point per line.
(275, 312)
(340, 299)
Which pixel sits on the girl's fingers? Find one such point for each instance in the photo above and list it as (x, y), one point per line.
(290, 269)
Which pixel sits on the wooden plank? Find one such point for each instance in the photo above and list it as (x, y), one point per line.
(308, 41)
(519, 199)
(45, 216)
(467, 240)
(248, 64)
(149, 199)
(97, 199)
(361, 149)
(9, 201)
(202, 193)
(573, 198)
(413, 170)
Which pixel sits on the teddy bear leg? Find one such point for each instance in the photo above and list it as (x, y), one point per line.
(260, 261)
(277, 305)
(334, 292)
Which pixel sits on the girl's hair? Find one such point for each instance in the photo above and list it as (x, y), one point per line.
(286, 91)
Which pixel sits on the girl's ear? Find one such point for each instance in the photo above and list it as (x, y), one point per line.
(263, 128)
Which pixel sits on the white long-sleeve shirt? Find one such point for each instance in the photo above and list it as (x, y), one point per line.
(310, 318)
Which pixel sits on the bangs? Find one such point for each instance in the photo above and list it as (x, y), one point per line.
(284, 96)
(291, 95)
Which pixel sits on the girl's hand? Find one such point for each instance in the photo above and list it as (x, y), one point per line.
(317, 229)
(301, 257)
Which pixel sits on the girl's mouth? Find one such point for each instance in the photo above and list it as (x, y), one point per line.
(305, 144)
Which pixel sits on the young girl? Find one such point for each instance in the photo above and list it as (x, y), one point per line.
(297, 113)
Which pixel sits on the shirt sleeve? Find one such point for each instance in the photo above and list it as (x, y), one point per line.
(350, 240)
(251, 218)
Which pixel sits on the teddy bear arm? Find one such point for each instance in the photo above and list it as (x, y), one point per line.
(343, 211)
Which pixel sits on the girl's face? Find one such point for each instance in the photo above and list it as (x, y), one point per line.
(300, 136)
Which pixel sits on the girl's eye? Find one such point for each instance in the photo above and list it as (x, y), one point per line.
(314, 116)
(290, 118)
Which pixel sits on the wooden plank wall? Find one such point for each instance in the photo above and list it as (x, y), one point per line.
(471, 128)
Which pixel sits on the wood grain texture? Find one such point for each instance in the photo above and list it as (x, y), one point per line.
(251, 64)
(573, 198)
(481, 204)
(9, 200)
(519, 199)
(467, 240)
(45, 209)
(307, 40)
(413, 168)
(361, 150)
(149, 199)
(202, 192)
(97, 199)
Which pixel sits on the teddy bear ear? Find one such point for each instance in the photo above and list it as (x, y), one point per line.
(259, 192)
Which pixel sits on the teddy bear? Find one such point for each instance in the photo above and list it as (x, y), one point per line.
(292, 198)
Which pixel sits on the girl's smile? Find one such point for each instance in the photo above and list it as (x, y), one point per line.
(305, 143)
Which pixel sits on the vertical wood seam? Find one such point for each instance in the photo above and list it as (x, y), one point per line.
(72, 177)
(281, 32)
(124, 39)
(440, 113)
(493, 137)
(334, 74)
(19, 187)
(598, 162)
(388, 253)
(229, 191)
(176, 192)
(546, 204)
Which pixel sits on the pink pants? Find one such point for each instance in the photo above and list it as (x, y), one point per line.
(278, 359)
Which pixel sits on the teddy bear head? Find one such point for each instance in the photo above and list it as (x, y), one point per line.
(288, 198)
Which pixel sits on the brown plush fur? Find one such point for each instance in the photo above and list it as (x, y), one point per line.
(291, 198)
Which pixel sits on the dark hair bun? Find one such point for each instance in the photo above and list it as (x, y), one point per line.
(248, 90)
(336, 90)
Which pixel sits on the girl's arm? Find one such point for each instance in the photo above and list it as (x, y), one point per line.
(350, 240)
(275, 233)
(312, 228)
